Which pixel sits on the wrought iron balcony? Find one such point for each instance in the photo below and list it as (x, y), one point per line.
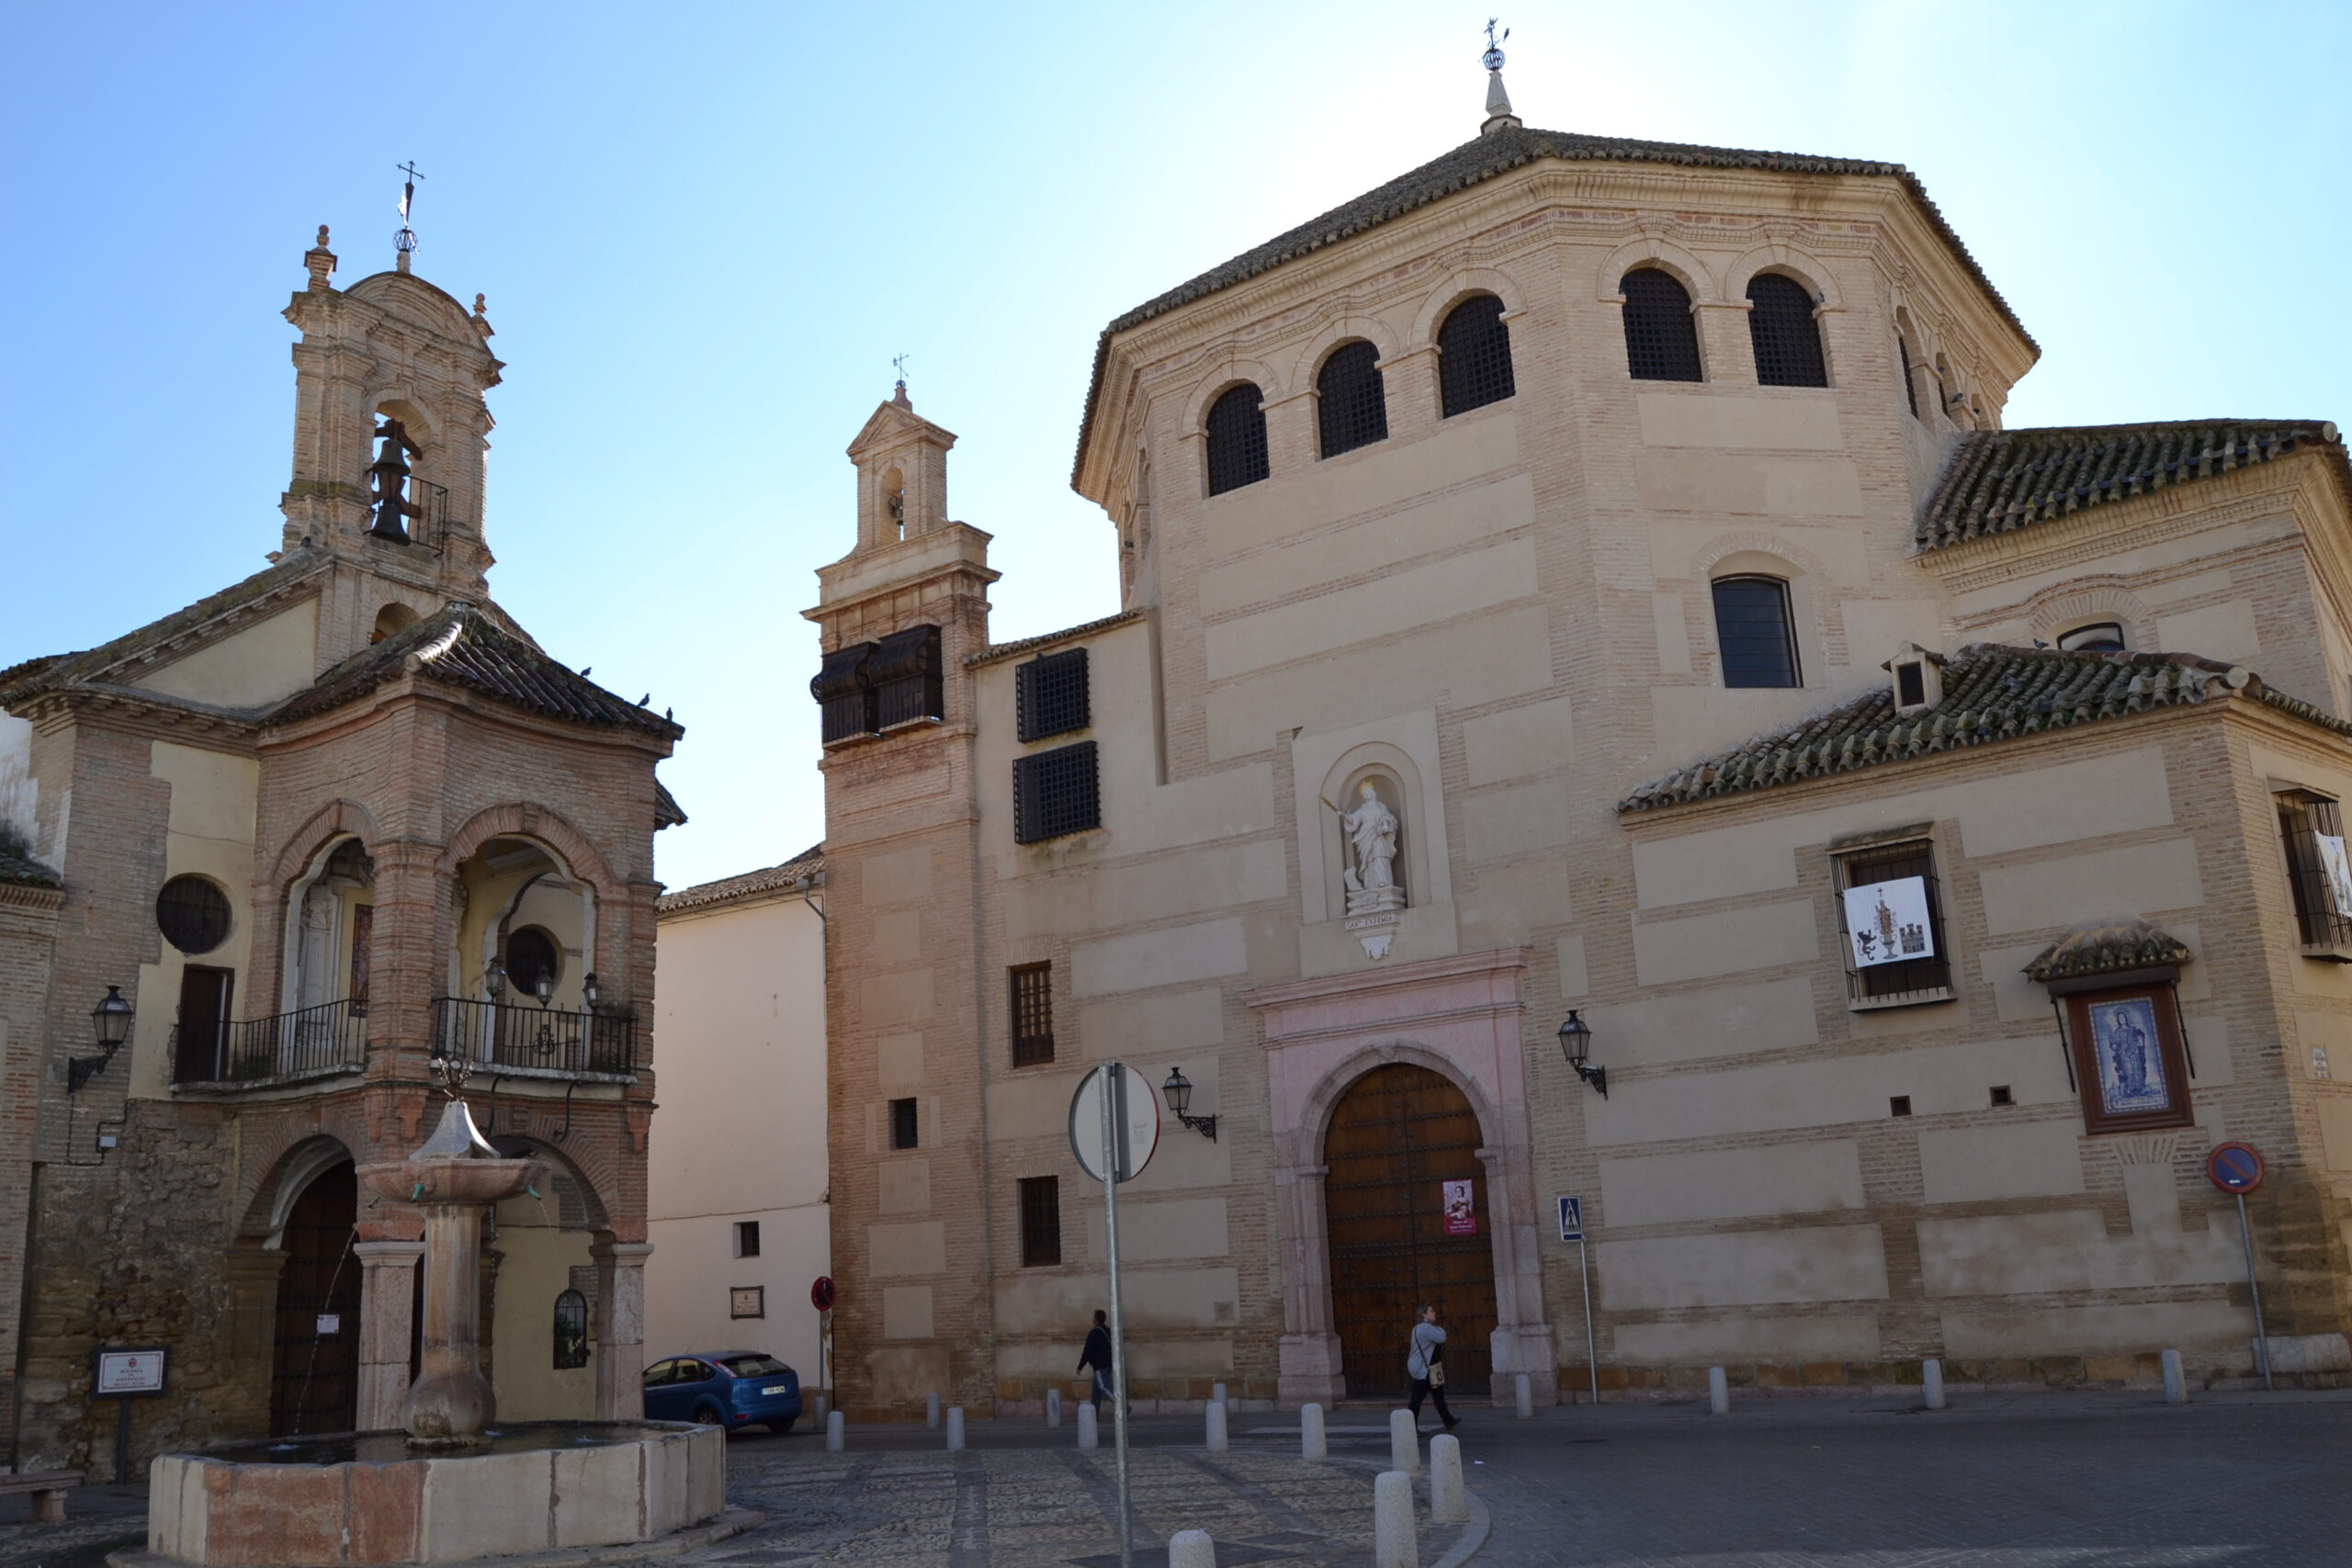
(308, 1042)
(526, 1036)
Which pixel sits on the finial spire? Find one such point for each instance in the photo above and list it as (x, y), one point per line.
(898, 363)
(1499, 113)
(404, 241)
(320, 260)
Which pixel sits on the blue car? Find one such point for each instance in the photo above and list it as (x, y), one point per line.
(727, 1389)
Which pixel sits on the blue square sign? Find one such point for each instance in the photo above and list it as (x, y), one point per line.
(1571, 1219)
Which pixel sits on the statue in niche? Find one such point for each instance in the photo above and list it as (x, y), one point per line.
(1372, 830)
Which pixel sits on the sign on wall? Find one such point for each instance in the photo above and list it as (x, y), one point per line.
(1887, 923)
(747, 1301)
(1460, 1209)
(2338, 868)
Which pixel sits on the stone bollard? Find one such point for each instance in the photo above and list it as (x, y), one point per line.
(1394, 1544)
(1718, 1391)
(1053, 1407)
(1192, 1548)
(1217, 1394)
(836, 1433)
(1403, 1442)
(1523, 1396)
(2175, 1380)
(1086, 1427)
(1310, 1433)
(956, 1430)
(1217, 1428)
(930, 1410)
(1448, 1504)
(1931, 1378)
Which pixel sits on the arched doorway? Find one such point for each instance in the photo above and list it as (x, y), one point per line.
(1396, 1138)
(314, 1383)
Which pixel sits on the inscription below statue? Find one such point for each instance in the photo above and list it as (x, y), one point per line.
(1372, 834)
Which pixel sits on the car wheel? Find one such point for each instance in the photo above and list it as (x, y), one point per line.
(708, 1414)
(782, 1428)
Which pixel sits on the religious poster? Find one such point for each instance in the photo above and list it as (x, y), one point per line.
(1887, 923)
(1460, 1209)
(363, 944)
(2339, 870)
(2130, 1060)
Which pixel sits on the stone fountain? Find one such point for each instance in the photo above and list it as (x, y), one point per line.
(455, 1485)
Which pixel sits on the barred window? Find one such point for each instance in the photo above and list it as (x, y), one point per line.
(1236, 432)
(1351, 404)
(1661, 336)
(1050, 695)
(193, 914)
(1910, 387)
(905, 673)
(1041, 1222)
(570, 1331)
(844, 700)
(2312, 829)
(1033, 1013)
(1055, 793)
(1474, 356)
(905, 1126)
(1922, 979)
(1787, 338)
(1754, 632)
(747, 1238)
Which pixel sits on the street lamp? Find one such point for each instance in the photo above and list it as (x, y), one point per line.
(588, 990)
(493, 979)
(110, 1021)
(1178, 1091)
(1575, 1044)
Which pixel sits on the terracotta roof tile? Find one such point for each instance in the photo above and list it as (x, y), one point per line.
(997, 650)
(809, 864)
(2107, 949)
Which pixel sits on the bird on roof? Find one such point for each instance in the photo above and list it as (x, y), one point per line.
(584, 670)
(645, 701)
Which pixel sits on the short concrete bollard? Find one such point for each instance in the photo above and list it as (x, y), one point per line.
(930, 1410)
(955, 1429)
(1718, 1391)
(1523, 1393)
(1217, 1394)
(1403, 1442)
(1217, 1428)
(1086, 1438)
(1311, 1444)
(1053, 1407)
(2175, 1380)
(1192, 1548)
(836, 1433)
(1449, 1505)
(1394, 1544)
(1931, 1378)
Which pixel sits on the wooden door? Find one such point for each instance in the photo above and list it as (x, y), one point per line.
(1397, 1136)
(314, 1380)
(201, 1054)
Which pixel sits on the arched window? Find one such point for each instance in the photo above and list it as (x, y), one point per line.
(1787, 339)
(2100, 637)
(570, 1331)
(1661, 338)
(1236, 432)
(1910, 384)
(1474, 356)
(1352, 404)
(531, 954)
(1754, 630)
(391, 621)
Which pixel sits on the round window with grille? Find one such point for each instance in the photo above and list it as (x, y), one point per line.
(193, 914)
(530, 953)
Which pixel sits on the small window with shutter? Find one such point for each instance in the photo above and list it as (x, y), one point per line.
(1050, 695)
(1032, 1014)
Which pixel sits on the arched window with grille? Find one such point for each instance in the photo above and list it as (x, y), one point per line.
(570, 1331)
(1352, 405)
(1474, 356)
(1755, 632)
(1661, 336)
(1786, 337)
(1237, 433)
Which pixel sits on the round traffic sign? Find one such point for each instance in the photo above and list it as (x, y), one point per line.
(1135, 1121)
(2234, 1167)
(821, 1293)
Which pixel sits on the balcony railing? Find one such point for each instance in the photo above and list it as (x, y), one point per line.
(522, 1034)
(328, 1038)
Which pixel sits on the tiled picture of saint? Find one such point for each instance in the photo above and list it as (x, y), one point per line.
(2130, 1060)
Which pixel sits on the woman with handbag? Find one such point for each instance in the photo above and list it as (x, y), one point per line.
(1425, 1364)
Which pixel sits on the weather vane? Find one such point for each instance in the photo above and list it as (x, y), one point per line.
(405, 241)
(1493, 58)
(898, 363)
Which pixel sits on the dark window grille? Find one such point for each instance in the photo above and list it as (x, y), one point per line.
(1236, 432)
(905, 1128)
(1661, 335)
(193, 914)
(844, 697)
(747, 1238)
(1041, 1222)
(1754, 632)
(1351, 404)
(1055, 793)
(1919, 979)
(2303, 817)
(1032, 1014)
(1910, 387)
(1787, 338)
(530, 955)
(1050, 695)
(570, 1331)
(1474, 356)
(904, 673)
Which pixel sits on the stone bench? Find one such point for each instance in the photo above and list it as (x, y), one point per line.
(49, 1488)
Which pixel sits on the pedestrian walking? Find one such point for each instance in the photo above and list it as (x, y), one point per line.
(1097, 1355)
(1425, 1364)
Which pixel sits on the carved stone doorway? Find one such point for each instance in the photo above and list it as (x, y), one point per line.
(315, 1382)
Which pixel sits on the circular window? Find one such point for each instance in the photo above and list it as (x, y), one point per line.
(530, 953)
(193, 914)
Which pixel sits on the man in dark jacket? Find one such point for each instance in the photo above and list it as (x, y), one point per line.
(1097, 1355)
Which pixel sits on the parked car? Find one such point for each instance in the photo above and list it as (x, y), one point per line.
(724, 1388)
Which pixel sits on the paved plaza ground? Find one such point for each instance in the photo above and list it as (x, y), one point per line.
(2022, 1481)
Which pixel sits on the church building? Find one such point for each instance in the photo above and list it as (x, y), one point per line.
(274, 868)
(1607, 735)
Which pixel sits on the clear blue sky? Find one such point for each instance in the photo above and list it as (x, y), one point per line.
(704, 229)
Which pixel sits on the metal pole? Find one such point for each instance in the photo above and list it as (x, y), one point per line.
(1114, 1126)
(1591, 1358)
(2261, 1339)
(122, 1441)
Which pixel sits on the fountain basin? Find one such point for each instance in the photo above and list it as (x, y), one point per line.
(537, 1486)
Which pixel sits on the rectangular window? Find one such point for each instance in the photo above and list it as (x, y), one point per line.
(1755, 632)
(1041, 1222)
(902, 1124)
(1890, 913)
(747, 1238)
(1033, 1013)
(2130, 1061)
(1050, 695)
(2312, 832)
(1055, 793)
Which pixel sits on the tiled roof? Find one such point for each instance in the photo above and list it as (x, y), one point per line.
(997, 650)
(1481, 159)
(19, 867)
(809, 864)
(667, 812)
(37, 675)
(2107, 949)
(1991, 694)
(2001, 480)
(462, 645)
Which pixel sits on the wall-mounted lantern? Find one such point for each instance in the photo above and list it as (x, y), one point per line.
(1178, 1091)
(110, 1021)
(1575, 1044)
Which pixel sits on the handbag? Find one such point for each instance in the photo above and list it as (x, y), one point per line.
(1437, 1368)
